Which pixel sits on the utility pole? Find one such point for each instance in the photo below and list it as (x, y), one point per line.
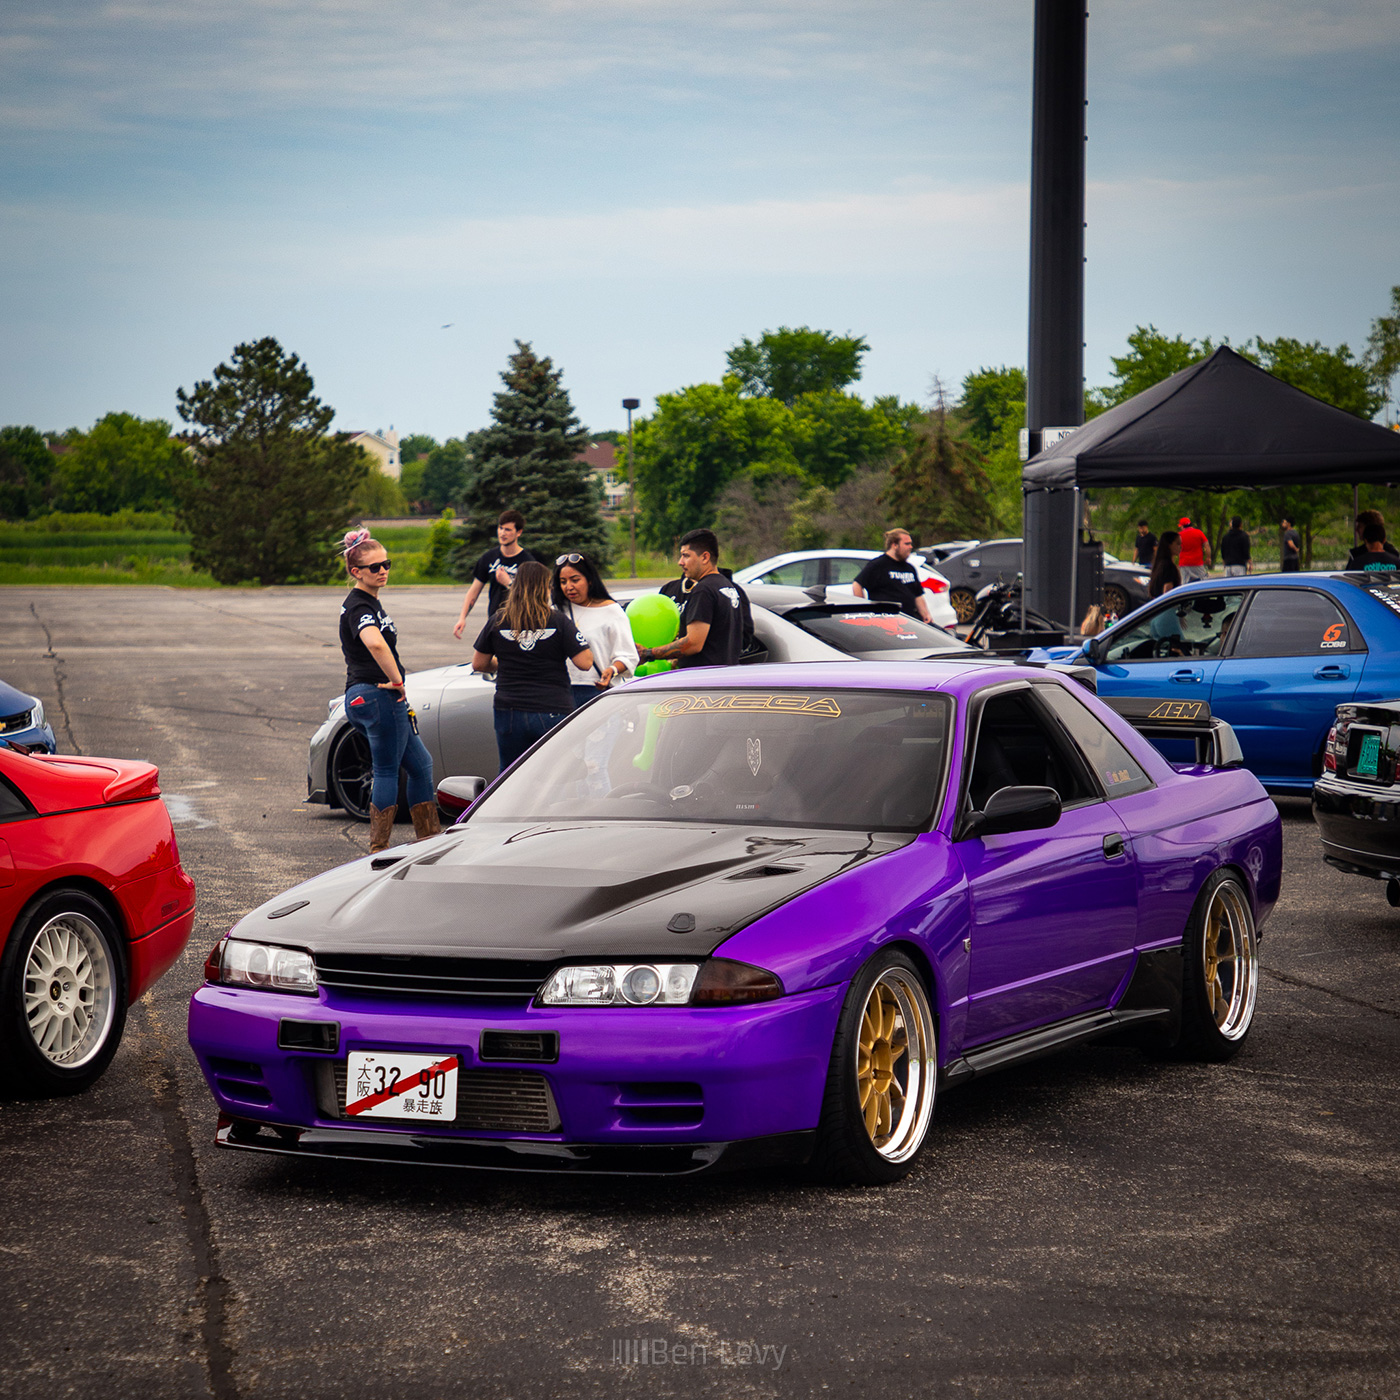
(1055, 360)
(629, 405)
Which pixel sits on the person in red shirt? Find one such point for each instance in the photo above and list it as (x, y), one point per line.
(1196, 556)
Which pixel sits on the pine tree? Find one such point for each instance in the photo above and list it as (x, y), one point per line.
(527, 460)
(938, 489)
(264, 491)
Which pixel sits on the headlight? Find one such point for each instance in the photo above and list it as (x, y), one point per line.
(36, 715)
(237, 963)
(716, 982)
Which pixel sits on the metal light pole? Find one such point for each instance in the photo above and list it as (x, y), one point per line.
(629, 405)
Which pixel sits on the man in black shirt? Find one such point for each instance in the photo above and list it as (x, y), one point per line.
(495, 570)
(1359, 558)
(1145, 545)
(712, 618)
(1290, 547)
(1235, 549)
(891, 578)
(1375, 555)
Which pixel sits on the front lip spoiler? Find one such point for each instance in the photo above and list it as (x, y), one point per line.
(515, 1155)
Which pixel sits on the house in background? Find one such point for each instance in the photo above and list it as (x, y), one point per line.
(383, 447)
(602, 461)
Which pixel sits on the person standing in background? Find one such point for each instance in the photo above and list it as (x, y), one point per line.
(891, 578)
(528, 644)
(580, 594)
(1145, 545)
(1165, 574)
(1379, 558)
(495, 570)
(374, 697)
(1235, 550)
(1195, 552)
(1359, 557)
(1290, 546)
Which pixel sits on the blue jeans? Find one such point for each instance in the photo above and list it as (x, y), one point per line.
(383, 719)
(584, 693)
(517, 730)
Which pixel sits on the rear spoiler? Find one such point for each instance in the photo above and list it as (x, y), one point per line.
(1153, 718)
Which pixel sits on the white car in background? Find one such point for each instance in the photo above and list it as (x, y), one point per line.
(836, 570)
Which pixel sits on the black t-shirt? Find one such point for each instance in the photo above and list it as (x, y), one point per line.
(1144, 548)
(1364, 561)
(485, 572)
(530, 669)
(1234, 548)
(1361, 557)
(358, 611)
(675, 589)
(720, 602)
(886, 581)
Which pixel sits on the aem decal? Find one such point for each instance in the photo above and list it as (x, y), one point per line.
(702, 703)
(1178, 709)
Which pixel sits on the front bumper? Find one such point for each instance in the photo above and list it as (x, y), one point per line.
(1359, 826)
(37, 738)
(651, 1090)
(318, 757)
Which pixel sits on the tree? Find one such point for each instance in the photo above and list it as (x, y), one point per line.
(786, 363)
(378, 496)
(1383, 345)
(445, 475)
(414, 446)
(1330, 375)
(990, 399)
(938, 488)
(26, 471)
(528, 460)
(834, 433)
(121, 463)
(264, 492)
(1151, 358)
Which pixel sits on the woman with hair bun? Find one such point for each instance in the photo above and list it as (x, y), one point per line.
(375, 702)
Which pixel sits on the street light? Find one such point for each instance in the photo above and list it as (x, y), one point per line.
(629, 405)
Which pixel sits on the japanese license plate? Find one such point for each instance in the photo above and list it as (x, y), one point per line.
(1368, 757)
(387, 1084)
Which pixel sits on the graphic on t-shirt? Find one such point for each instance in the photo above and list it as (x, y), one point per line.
(732, 594)
(755, 750)
(526, 640)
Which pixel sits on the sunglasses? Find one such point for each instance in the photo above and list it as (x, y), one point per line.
(568, 559)
(381, 564)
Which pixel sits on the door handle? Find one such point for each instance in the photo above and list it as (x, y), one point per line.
(1113, 845)
(1186, 677)
(1334, 672)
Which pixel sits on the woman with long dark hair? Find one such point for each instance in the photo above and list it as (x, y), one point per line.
(529, 643)
(580, 594)
(375, 702)
(1165, 573)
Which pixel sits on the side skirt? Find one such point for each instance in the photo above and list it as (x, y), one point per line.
(1149, 1007)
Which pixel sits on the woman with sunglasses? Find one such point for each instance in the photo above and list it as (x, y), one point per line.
(375, 702)
(579, 593)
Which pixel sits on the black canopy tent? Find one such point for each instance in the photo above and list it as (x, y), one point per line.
(1222, 424)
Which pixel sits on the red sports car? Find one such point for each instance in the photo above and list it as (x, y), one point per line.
(94, 907)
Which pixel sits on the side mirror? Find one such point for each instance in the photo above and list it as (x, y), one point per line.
(1014, 809)
(455, 795)
(1094, 649)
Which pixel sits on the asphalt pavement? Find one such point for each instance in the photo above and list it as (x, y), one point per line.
(1095, 1224)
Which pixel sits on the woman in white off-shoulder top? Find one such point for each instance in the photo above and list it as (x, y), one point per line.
(579, 593)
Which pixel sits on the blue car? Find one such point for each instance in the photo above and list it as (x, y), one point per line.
(1273, 654)
(22, 722)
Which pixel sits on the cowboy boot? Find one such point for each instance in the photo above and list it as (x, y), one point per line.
(381, 827)
(425, 820)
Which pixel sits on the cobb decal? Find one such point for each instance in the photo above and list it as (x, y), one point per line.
(701, 703)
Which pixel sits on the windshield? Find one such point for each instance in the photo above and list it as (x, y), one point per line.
(862, 760)
(857, 631)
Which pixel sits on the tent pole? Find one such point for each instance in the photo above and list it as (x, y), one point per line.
(1074, 564)
(1023, 558)
(1355, 507)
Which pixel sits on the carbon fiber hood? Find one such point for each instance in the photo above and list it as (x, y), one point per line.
(536, 891)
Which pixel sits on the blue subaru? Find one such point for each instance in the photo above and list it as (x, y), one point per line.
(1273, 654)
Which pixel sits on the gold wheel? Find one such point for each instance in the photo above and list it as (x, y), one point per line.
(895, 1067)
(964, 603)
(1229, 961)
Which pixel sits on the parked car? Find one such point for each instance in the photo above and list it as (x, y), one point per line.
(933, 554)
(748, 915)
(1356, 800)
(836, 570)
(1272, 654)
(999, 561)
(94, 907)
(22, 722)
(454, 705)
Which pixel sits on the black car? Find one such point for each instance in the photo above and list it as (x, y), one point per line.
(970, 570)
(1357, 799)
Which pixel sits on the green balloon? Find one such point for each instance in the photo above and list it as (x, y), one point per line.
(655, 620)
(654, 668)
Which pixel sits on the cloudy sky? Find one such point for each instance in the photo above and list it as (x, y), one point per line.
(633, 185)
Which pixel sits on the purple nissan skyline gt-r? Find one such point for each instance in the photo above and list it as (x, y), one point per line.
(750, 916)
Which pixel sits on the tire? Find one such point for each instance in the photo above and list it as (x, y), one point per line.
(1220, 971)
(63, 983)
(964, 603)
(350, 773)
(1116, 600)
(878, 1106)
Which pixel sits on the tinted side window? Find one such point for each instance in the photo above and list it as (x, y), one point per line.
(1195, 624)
(1002, 556)
(11, 803)
(1294, 622)
(845, 570)
(1113, 765)
(793, 575)
(1017, 747)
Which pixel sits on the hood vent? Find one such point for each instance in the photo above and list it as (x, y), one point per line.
(763, 872)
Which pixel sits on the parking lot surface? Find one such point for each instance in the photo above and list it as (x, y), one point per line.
(1092, 1224)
